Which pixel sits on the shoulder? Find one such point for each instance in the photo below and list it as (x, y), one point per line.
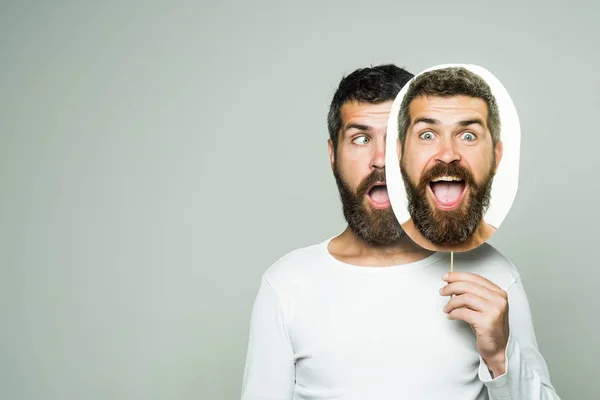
(297, 265)
(488, 262)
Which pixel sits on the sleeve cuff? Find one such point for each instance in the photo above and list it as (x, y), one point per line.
(499, 383)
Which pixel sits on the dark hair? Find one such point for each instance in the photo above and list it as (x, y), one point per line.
(449, 82)
(372, 85)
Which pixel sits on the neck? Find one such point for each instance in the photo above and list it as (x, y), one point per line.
(347, 247)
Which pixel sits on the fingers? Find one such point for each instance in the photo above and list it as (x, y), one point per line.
(474, 310)
(474, 278)
(486, 311)
(473, 292)
(468, 300)
(465, 314)
(458, 288)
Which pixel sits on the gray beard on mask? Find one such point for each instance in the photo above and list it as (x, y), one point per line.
(373, 227)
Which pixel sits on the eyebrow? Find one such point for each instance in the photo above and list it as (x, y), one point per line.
(433, 121)
(475, 121)
(360, 127)
(427, 120)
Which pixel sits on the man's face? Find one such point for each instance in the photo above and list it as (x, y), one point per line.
(448, 163)
(358, 165)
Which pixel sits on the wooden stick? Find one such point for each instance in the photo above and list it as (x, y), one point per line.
(451, 261)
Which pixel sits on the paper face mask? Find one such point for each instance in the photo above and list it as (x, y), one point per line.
(452, 157)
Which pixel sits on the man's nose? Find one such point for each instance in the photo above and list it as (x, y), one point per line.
(447, 151)
(378, 159)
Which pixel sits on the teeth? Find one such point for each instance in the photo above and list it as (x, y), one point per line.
(447, 179)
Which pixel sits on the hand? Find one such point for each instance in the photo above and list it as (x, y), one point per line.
(484, 306)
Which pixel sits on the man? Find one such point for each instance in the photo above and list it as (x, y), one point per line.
(362, 315)
(449, 136)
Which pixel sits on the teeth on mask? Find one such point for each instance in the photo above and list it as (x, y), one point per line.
(446, 179)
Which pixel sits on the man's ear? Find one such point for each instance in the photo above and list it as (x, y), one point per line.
(331, 149)
(498, 151)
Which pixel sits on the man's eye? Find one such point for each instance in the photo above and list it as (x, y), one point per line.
(468, 136)
(361, 140)
(426, 135)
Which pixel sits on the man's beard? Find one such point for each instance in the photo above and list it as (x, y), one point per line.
(448, 227)
(374, 227)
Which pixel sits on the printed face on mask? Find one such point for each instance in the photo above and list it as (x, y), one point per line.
(449, 180)
(448, 162)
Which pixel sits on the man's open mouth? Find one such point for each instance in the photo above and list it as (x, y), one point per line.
(448, 191)
(378, 196)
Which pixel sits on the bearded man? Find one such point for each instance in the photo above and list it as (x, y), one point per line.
(361, 316)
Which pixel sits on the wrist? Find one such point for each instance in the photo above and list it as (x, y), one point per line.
(496, 365)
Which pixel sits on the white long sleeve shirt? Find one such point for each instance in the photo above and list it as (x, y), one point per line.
(323, 329)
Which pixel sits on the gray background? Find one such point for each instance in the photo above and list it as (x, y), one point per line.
(157, 157)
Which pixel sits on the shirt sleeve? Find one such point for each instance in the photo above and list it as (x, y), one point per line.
(270, 367)
(526, 376)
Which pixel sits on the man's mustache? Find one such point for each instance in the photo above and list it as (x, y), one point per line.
(374, 177)
(450, 169)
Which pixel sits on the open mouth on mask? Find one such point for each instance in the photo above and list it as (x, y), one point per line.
(378, 196)
(447, 192)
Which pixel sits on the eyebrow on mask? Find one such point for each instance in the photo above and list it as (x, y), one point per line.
(433, 121)
(474, 121)
(427, 120)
